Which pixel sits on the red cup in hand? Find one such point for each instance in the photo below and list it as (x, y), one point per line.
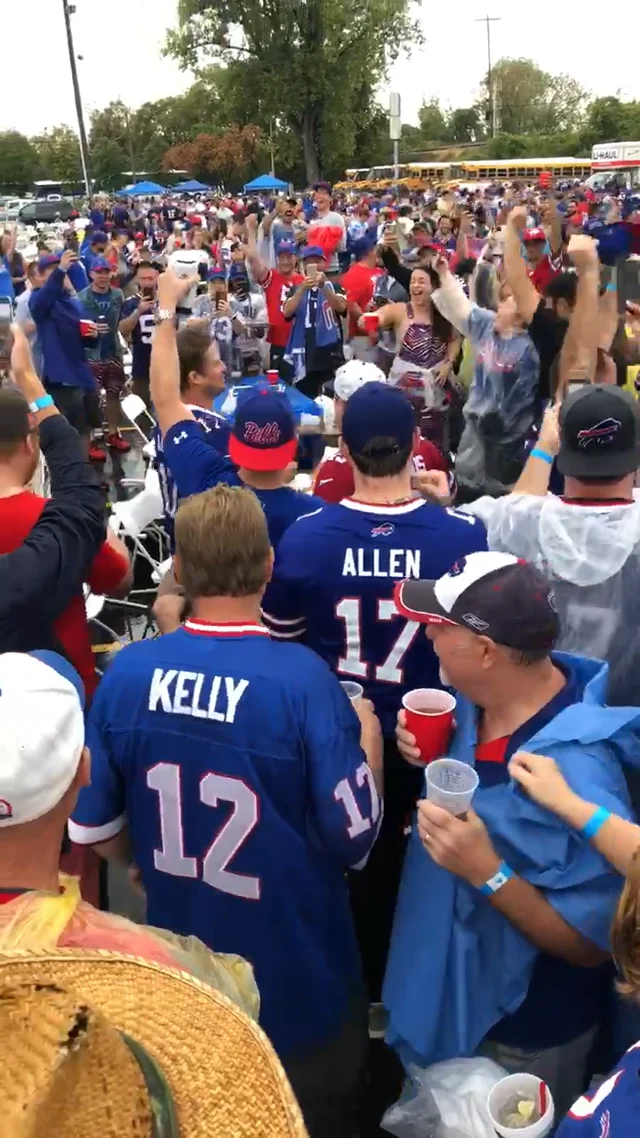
(429, 716)
(371, 323)
(88, 328)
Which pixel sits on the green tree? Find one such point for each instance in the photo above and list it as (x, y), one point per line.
(109, 160)
(59, 154)
(116, 126)
(465, 125)
(307, 60)
(529, 99)
(433, 123)
(18, 161)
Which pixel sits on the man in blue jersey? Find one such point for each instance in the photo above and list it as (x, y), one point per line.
(262, 444)
(333, 588)
(202, 376)
(137, 323)
(245, 785)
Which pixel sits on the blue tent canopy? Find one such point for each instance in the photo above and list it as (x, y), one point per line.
(141, 189)
(265, 182)
(190, 187)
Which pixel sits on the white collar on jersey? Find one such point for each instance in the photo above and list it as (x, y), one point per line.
(230, 628)
(374, 508)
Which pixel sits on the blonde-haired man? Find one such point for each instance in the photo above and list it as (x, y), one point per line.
(246, 785)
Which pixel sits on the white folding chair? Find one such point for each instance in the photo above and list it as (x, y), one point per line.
(140, 515)
(133, 407)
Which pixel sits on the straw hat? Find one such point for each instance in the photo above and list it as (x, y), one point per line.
(100, 1045)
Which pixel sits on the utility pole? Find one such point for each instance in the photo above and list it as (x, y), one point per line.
(395, 130)
(489, 20)
(68, 10)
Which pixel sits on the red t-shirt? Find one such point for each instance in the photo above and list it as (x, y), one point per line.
(359, 282)
(18, 515)
(334, 478)
(544, 272)
(276, 289)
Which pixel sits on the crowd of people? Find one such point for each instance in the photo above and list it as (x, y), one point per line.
(470, 527)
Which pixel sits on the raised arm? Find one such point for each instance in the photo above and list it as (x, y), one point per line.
(42, 300)
(535, 475)
(579, 350)
(525, 295)
(450, 299)
(258, 267)
(164, 373)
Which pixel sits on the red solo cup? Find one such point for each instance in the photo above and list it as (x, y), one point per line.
(273, 375)
(370, 322)
(429, 716)
(87, 328)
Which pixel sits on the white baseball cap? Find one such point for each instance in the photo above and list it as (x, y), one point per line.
(351, 376)
(41, 733)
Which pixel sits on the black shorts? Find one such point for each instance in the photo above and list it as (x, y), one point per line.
(81, 408)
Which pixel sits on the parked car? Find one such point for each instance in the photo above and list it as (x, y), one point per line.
(45, 211)
(10, 208)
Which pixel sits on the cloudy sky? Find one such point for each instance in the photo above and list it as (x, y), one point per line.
(38, 87)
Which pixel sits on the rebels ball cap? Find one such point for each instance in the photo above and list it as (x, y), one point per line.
(493, 594)
(263, 436)
(599, 433)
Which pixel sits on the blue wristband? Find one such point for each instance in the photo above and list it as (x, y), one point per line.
(500, 878)
(41, 403)
(596, 822)
(611, 287)
(537, 452)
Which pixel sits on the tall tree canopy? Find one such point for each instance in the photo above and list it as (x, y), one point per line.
(530, 99)
(308, 61)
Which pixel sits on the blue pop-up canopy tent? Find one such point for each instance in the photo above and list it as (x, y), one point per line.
(265, 182)
(141, 189)
(191, 187)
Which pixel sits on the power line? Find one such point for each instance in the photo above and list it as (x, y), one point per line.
(489, 20)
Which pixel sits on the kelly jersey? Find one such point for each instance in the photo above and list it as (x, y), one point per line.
(333, 585)
(141, 338)
(196, 467)
(613, 1110)
(334, 478)
(214, 430)
(236, 762)
(276, 290)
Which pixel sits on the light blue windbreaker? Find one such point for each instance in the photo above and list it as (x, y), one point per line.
(456, 965)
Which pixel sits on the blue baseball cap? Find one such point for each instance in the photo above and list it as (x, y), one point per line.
(263, 436)
(377, 411)
(99, 237)
(47, 260)
(100, 265)
(363, 246)
(216, 275)
(238, 270)
(312, 251)
(285, 246)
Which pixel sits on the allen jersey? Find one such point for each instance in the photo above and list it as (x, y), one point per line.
(333, 584)
(236, 763)
(215, 431)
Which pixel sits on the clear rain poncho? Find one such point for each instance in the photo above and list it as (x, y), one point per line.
(592, 556)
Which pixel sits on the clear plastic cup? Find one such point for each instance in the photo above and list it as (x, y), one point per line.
(351, 689)
(521, 1087)
(451, 784)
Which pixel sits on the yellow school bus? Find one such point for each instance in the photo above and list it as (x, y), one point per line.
(354, 179)
(506, 169)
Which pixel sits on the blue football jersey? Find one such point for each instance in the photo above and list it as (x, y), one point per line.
(196, 467)
(613, 1110)
(236, 762)
(333, 585)
(141, 338)
(214, 431)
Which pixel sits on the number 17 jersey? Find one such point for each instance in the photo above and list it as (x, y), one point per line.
(333, 585)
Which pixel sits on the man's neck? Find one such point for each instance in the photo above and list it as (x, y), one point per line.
(101, 291)
(11, 481)
(382, 491)
(262, 479)
(596, 492)
(194, 397)
(227, 610)
(521, 696)
(25, 864)
(322, 211)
